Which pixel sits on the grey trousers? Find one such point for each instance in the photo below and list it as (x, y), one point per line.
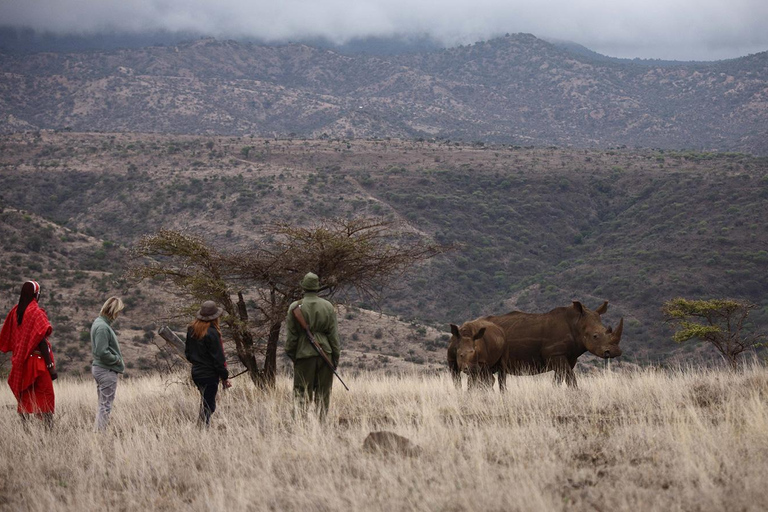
(106, 385)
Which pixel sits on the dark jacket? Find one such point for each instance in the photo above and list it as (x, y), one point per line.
(206, 355)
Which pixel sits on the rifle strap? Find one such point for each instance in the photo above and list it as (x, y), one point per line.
(306, 320)
(298, 305)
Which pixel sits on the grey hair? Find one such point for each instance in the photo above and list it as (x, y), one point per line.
(112, 307)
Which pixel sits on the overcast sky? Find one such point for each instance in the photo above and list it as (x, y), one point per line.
(667, 29)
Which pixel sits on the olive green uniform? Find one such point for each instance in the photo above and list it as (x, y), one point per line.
(312, 378)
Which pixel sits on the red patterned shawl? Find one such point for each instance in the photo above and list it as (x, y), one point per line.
(22, 340)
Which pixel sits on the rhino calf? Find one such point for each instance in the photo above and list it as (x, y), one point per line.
(476, 349)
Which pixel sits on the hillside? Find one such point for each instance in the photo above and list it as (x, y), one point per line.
(516, 89)
(535, 227)
(77, 272)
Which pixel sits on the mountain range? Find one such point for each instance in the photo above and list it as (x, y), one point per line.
(516, 89)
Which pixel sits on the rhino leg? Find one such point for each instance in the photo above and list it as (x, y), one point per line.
(455, 373)
(502, 380)
(563, 372)
(487, 378)
(453, 364)
(482, 379)
(570, 378)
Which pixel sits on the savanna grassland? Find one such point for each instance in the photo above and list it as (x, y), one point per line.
(689, 439)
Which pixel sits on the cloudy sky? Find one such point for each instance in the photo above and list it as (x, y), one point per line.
(667, 29)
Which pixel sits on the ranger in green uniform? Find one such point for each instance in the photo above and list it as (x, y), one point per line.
(312, 378)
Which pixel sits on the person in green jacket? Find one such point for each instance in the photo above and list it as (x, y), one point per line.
(312, 378)
(107, 359)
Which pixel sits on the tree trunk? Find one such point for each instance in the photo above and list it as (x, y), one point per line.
(270, 362)
(244, 344)
(270, 359)
(249, 360)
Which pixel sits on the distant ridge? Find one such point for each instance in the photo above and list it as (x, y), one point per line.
(516, 89)
(582, 50)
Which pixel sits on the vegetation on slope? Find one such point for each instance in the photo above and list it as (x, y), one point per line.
(537, 227)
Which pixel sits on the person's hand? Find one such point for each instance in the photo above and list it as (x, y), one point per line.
(52, 371)
(226, 384)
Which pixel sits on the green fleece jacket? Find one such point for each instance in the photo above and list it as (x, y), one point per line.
(321, 318)
(104, 346)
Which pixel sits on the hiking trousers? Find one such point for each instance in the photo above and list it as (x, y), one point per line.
(312, 382)
(208, 388)
(106, 387)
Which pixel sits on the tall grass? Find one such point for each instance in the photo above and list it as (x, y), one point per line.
(685, 440)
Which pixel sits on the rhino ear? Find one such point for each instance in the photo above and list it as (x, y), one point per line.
(479, 334)
(455, 330)
(602, 309)
(578, 307)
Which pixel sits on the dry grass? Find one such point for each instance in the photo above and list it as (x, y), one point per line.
(686, 440)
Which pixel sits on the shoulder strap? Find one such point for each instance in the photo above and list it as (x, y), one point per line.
(306, 317)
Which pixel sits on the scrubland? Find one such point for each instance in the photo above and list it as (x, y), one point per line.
(690, 439)
(533, 227)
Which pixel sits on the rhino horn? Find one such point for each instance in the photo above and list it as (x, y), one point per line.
(616, 337)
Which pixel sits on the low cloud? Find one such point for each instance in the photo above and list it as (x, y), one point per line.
(670, 29)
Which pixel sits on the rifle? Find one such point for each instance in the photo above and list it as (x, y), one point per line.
(303, 323)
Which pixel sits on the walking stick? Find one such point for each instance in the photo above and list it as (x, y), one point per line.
(239, 374)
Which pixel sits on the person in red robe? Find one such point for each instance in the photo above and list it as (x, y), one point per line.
(25, 334)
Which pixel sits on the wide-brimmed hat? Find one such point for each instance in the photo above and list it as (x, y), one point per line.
(310, 282)
(209, 311)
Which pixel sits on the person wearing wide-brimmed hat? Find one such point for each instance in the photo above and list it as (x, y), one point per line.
(312, 378)
(205, 351)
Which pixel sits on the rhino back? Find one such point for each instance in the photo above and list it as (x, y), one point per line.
(532, 338)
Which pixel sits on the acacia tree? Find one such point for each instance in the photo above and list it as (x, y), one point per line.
(720, 322)
(353, 258)
(198, 272)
